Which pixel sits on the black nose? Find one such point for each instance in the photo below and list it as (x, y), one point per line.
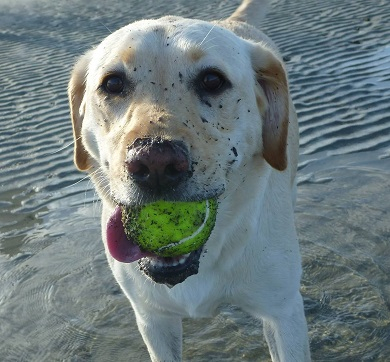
(158, 164)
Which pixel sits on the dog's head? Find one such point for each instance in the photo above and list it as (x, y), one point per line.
(174, 109)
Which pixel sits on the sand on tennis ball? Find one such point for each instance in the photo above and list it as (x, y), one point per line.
(170, 228)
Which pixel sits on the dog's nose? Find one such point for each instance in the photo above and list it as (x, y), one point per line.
(158, 164)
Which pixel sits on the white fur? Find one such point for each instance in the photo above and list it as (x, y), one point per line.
(252, 258)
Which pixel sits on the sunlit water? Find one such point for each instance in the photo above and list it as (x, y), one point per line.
(58, 299)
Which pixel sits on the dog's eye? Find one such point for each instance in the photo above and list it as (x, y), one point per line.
(212, 81)
(113, 83)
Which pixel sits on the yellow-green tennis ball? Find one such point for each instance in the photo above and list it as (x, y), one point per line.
(170, 228)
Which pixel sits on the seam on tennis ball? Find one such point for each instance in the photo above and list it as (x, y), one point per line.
(193, 235)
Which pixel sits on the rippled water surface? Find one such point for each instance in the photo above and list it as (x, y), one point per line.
(58, 299)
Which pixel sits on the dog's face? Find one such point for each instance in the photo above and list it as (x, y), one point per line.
(174, 108)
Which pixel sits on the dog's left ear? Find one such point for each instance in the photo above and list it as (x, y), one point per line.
(273, 102)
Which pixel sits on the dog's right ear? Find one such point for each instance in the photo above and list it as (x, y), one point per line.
(76, 91)
(273, 103)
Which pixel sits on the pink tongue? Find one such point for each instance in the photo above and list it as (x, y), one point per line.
(120, 247)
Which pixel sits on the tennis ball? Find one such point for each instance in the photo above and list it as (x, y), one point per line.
(170, 228)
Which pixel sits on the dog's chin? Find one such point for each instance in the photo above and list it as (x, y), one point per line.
(170, 270)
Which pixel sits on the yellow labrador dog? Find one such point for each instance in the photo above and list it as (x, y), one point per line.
(183, 109)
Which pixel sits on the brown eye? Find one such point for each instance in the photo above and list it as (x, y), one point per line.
(113, 84)
(212, 81)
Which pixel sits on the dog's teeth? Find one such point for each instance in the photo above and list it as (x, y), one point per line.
(169, 262)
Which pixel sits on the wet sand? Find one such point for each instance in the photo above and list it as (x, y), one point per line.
(58, 299)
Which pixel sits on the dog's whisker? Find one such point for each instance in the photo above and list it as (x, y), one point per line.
(64, 147)
(106, 27)
(88, 188)
(211, 46)
(77, 182)
(81, 180)
(208, 40)
(207, 35)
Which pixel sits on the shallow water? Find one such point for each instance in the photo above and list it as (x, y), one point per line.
(58, 299)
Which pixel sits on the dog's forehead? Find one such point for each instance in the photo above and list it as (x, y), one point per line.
(170, 39)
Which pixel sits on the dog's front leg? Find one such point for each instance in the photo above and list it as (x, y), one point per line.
(162, 335)
(286, 334)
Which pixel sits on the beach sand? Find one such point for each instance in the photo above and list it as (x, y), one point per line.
(58, 299)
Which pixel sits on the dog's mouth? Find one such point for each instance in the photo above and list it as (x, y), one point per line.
(171, 270)
(164, 270)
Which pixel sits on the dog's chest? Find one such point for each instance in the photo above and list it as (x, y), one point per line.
(194, 301)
